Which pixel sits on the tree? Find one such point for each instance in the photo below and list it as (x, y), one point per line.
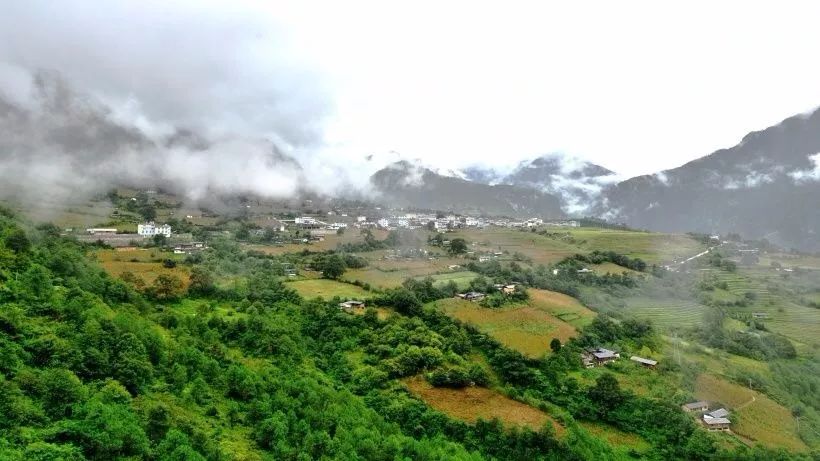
(555, 345)
(606, 392)
(201, 281)
(458, 246)
(169, 263)
(243, 233)
(159, 240)
(340, 231)
(133, 280)
(148, 212)
(431, 226)
(405, 301)
(166, 287)
(17, 241)
(333, 267)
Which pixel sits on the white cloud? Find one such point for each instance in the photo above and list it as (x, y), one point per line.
(455, 84)
(808, 175)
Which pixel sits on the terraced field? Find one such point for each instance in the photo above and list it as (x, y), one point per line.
(666, 313)
(473, 403)
(799, 323)
(525, 328)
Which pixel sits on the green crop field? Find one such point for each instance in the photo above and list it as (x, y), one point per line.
(327, 289)
(541, 249)
(666, 312)
(651, 247)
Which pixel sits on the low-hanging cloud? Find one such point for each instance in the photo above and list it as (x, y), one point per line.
(198, 101)
(802, 176)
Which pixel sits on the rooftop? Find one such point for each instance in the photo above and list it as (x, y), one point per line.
(698, 404)
(643, 360)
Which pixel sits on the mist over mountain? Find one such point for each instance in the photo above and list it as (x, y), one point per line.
(767, 186)
(577, 182)
(412, 185)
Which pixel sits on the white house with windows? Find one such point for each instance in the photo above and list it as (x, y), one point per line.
(150, 229)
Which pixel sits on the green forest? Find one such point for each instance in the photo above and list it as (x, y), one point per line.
(92, 368)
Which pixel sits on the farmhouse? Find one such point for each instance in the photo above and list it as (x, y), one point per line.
(717, 424)
(599, 356)
(649, 363)
(507, 289)
(585, 270)
(698, 406)
(188, 248)
(150, 229)
(471, 296)
(351, 304)
(719, 413)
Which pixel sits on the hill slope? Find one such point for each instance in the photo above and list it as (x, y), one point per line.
(407, 184)
(766, 186)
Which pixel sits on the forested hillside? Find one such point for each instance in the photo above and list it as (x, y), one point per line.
(94, 369)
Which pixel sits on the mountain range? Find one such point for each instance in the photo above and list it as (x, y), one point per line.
(767, 186)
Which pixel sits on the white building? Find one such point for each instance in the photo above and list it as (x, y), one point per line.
(150, 229)
(361, 219)
(101, 230)
(305, 220)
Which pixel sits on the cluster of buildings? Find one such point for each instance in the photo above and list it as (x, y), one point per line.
(111, 236)
(151, 229)
(421, 220)
(475, 296)
(715, 420)
(599, 356)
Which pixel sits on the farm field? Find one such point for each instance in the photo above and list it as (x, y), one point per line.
(145, 264)
(329, 243)
(559, 305)
(539, 248)
(327, 289)
(790, 260)
(383, 274)
(666, 313)
(524, 328)
(473, 403)
(651, 247)
(462, 279)
(753, 415)
(611, 268)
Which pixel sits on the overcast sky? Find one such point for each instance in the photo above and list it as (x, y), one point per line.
(634, 86)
